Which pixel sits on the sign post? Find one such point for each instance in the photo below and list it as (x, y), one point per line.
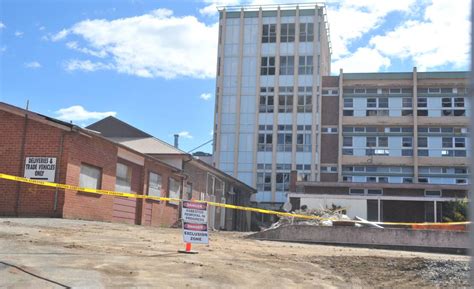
(194, 216)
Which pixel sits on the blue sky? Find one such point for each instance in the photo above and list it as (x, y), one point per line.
(152, 63)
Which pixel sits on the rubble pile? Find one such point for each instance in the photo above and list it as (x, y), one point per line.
(325, 217)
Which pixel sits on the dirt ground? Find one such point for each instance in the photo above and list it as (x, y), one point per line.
(56, 253)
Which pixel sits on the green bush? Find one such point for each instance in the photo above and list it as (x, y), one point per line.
(455, 211)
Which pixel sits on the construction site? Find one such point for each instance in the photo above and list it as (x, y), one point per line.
(58, 253)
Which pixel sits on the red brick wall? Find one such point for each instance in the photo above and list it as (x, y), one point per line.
(41, 140)
(96, 152)
(37, 201)
(159, 213)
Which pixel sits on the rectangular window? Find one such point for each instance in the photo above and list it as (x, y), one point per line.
(447, 142)
(123, 179)
(269, 33)
(433, 193)
(303, 142)
(287, 32)
(348, 102)
(407, 102)
(305, 65)
(154, 185)
(374, 192)
(423, 142)
(347, 141)
(422, 102)
(287, 65)
(305, 99)
(306, 32)
(284, 141)
(423, 153)
(459, 142)
(90, 177)
(285, 99)
(268, 65)
(265, 141)
(407, 142)
(264, 182)
(174, 190)
(356, 191)
(282, 182)
(371, 102)
(383, 141)
(371, 141)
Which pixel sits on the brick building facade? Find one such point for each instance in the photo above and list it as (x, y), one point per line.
(27, 134)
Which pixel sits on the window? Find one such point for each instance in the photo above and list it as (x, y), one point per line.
(305, 99)
(285, 99)
(269, 33)
(407, 105)
(348, 152)
(287, 32)
(306, 32)
(325, 169)
(265, 141)
(287, 65)
(407, 153)
(305, 65)
(407, 180)
(348, 102)
(447, 142)
(303, 142)
(383, 141)
(423, 142)
(264, 181)
(154, 185)
(174, 190)
(266, 99)
(371, 141)
(356, 191)
(284, 141)
(268, 65)
(459, 142)
(374, 192)
(329, 129)
(90, 177)
(123, 179)
(407, 142)
(381, 102)
(423, 153)
(433, 193)
(347, 141)
(282, 182)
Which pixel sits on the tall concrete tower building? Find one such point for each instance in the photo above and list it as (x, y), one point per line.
(271, 60)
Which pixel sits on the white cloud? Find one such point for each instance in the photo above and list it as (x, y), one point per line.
(78, 113)
(205, 96)
(33, 64)
(19, 34)
(185, 134)
(60, 35)
(156, 44)
(363, 60)
(441, 38)
(75, 46)
(86, 65)
(211, 8)
(41, 28)
(2, 25)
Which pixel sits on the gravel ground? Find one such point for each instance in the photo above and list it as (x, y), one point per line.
(56, 253)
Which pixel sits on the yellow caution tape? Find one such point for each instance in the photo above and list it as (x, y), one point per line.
(228, 206)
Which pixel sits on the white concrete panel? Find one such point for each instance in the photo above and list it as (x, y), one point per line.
(268, 49)
(359, 141)
(281, 197)
(245, 177)
(286, 80)
(306, 48)
(246, 142)
(284, 118)
(305, 80)
(264, 157)
(267, 80)
(307, 19)
(269, 20)
(303, 158)
(265, 118)
(360, 105)
(304, 118)
(354, 207)
(283, 157)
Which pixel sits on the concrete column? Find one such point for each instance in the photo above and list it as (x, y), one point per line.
(379, 217)
(257, 98)
(339, 128)
(415, 126)
(220, 85)
(295, 89)
(239, 93)
(277, 92)
(316, 120)
(435, 204)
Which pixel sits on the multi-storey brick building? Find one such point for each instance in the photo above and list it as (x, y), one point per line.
(394, 146)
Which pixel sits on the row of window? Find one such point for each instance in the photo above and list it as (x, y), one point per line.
(91, 177)
(421, 130)
(434, 90)
(287, 127)
(287, 32)
(264, 181)
(379, 192)
(287, 65)
(405, 170)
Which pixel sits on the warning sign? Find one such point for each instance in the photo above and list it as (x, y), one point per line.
(194, 217)
(40, 168)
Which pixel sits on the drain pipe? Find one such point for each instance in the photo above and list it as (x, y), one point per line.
(58, 169)
(22, 163)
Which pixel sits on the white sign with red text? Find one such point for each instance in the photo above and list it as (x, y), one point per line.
(194, 217)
